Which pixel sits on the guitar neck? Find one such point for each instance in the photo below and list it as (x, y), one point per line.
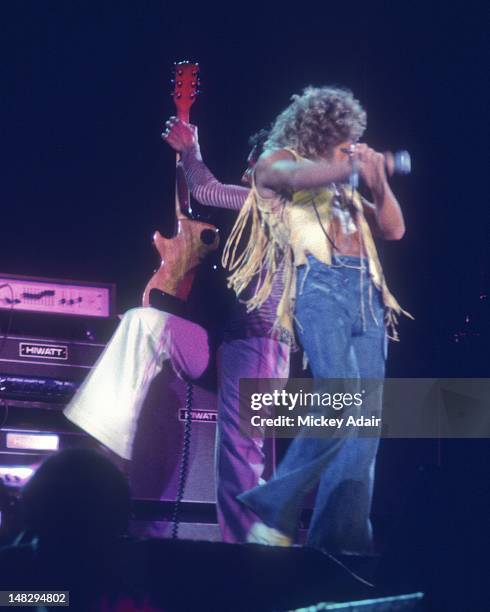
(186, 83)
(183, 209)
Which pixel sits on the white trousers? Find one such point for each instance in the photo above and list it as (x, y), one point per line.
(108, 403)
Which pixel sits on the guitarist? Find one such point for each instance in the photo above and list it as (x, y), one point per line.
(249, 348)
(108, 403)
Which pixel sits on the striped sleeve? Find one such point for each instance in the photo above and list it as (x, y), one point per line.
(204, 186)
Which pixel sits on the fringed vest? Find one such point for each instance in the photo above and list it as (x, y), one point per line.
(282, 232)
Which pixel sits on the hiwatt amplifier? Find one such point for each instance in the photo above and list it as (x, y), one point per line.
(51, 346)
(53, 295)
(159, 449)
(53, 327)
(28, 435)
(51, 334)
(43, 359)
(159, 443)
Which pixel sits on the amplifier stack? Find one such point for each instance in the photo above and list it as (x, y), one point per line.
(51, 333)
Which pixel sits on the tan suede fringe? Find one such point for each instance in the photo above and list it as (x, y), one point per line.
(268, 249)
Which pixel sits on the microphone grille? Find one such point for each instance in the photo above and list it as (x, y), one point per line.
(403, 162)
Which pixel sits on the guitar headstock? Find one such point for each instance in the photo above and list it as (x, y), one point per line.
(186, 87)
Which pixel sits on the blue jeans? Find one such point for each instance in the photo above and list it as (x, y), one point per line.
(341, 328)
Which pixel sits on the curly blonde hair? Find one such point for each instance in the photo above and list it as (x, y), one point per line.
(318, 120)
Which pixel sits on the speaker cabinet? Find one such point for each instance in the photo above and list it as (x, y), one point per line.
(159, 443)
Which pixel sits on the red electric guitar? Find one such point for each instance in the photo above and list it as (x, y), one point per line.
(193, 240)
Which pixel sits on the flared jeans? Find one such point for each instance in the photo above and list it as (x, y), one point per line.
(339, 318)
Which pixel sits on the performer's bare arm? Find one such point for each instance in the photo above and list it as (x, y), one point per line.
(279, 172)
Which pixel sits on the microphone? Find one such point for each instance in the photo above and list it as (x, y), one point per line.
(399, 162)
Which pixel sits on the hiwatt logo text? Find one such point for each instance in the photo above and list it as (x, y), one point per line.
(43, 351)
(201, 416)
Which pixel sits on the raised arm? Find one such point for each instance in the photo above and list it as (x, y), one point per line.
(203, 185)
(279, 172)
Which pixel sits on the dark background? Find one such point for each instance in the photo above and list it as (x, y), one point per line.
(86, 178)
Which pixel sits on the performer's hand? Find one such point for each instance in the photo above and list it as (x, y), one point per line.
(372, 167)
(179, 134)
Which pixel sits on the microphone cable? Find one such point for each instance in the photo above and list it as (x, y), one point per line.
(184, 464)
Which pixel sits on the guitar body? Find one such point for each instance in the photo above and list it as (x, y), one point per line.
(193, 240)
(180, 256)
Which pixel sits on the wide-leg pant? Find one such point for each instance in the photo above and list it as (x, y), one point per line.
(341, 327)
(240, 457)
(109, 402)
